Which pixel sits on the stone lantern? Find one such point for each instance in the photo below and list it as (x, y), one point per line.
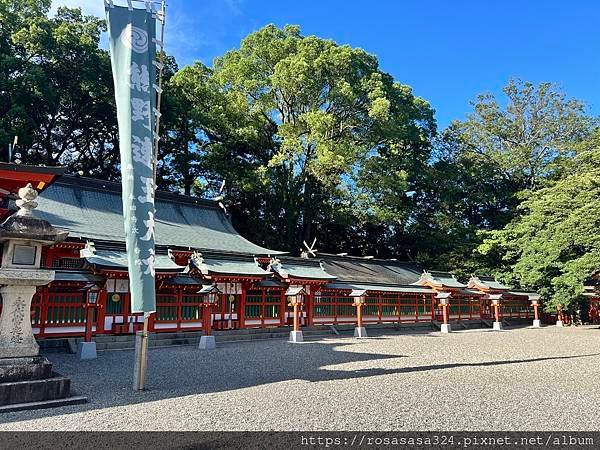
(495, 301)
(559, 316)
(22, 237)
(210, 295)
(359, 297)
(295, 296)
(535, 302)
(444, 299)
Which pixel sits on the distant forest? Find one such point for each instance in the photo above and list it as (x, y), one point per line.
(313, 140)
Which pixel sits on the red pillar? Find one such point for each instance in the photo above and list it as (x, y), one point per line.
(282, 307)
(359, 321)
(296, 321)
(206, 320)
(89, 322)
(445, 311)
(309, 308)
(242, 310)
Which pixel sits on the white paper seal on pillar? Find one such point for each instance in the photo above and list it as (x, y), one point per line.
(295, 296)
(22, 236)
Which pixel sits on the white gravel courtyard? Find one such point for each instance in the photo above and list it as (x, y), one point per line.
(519, 379)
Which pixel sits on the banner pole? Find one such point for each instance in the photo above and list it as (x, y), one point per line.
(159, 91)
(141, 344)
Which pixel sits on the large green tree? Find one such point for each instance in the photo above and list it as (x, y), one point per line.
(526, 139)
(553, 245)
(56, 88)
(484, 166)
(317, 123)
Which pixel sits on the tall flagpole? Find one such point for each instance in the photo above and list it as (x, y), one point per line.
(137, 76)
(140, 382)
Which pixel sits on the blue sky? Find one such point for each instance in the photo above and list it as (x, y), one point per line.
(448, 51)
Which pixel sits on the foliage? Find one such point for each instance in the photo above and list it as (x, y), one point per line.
(57, 88)
(530, 136)
(313, 139)
(317, 123)
(553, 246)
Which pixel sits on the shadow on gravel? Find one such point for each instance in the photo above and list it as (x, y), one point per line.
(181, 371)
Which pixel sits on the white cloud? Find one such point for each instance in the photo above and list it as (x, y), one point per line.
(91, 7)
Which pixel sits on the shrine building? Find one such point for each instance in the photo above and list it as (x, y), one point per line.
(197, 247)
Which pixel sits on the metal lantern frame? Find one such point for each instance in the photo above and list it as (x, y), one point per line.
(295, 295)
(92, 292)
(359, 297)
(210, 294)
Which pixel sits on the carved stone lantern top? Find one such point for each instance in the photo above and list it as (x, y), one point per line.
(24, 225)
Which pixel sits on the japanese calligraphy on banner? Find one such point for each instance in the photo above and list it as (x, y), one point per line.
(132, 34)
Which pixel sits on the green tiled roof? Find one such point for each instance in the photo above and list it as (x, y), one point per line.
(380, 288)
(300, 268)
(74, 275)
(353, 269)
(528, 294)
(229, 265)
(487, 282)
(92, 210)
(185, 279)
(109, 259)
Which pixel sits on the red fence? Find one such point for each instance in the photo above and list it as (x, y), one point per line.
(332, 308)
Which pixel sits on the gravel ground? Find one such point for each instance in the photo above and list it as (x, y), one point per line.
(519, 379)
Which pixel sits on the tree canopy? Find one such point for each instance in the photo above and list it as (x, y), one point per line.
(306, 138)
(553, 245)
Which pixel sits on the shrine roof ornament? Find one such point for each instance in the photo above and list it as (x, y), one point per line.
(485, 283)
(439, 279)
(228, 265)
(309, 269)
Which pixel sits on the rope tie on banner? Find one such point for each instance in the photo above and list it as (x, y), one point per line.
(129, 5)
(157, 88)
(157, 64)
(149, 7)
(157, 113)
(109, 4)
(158, 42)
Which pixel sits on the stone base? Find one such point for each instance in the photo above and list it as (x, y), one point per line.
(445, 328)
(75, 400)
(497, 326)
(559, 323)
(296, 336)
(207, 343)
(537, 323)
(360, 332)
(27, 382)
(87, 350)
(23, 369)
